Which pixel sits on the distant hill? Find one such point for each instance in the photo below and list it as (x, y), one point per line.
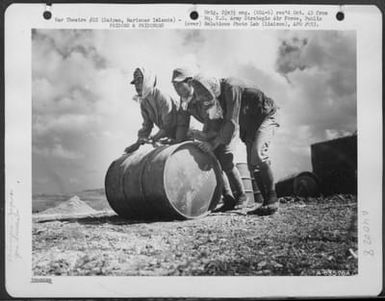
(95, 198)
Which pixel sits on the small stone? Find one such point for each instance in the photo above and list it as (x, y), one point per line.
(261, 264)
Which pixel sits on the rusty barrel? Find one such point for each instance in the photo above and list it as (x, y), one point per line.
(304, 184)
(178, 181)
(246, 180)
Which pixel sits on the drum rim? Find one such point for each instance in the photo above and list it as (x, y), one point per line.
(217, 171)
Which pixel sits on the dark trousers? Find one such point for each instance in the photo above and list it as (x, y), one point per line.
(233, 184)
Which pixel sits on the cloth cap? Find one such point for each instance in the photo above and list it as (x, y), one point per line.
(180, 74)
(209, 84)
(137, 74)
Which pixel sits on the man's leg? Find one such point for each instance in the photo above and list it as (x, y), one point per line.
(260, 159)
(227, 194)
(238, 188)
(225, 157)
(228, 198)
(268, 180)
(257, 183)
(226, 185)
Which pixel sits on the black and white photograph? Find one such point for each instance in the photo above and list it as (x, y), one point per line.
(183, 152)
(194, 152)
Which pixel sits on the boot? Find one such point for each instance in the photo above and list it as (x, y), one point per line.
(228, 201)
(227, 205)
(270, 202)
(235, 180)
(269, 207)
(241, 201)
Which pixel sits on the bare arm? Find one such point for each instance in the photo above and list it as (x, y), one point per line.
(183, 123)
(232, 97)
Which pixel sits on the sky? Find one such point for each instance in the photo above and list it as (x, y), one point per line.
(83, 114)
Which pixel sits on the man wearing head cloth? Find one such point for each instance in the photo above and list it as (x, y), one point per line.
(209, 112)
(156, 108)
(249, 109)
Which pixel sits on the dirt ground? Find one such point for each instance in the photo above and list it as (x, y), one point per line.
(315, 236)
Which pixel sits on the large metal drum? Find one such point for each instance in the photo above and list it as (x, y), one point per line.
(178, 181)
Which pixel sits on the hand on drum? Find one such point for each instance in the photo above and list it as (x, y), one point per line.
(132, 148)
(144, 140)
(166, 140)
(197, 135)
(136, 145)
(205, 146)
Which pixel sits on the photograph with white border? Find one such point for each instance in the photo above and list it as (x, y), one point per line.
(178, 145)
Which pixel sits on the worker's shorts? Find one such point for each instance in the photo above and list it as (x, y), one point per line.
(258, 149)
(225, 155)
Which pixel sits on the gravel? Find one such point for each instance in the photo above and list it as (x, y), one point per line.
(316, 236)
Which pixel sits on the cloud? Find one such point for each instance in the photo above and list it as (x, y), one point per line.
(333, 133)
(69, 42)
(57, 151)
(319, 101)
(290, 55)
(193, 39)
(328, 82)
(76, 97)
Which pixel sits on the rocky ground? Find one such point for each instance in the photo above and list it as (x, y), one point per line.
(307, 237)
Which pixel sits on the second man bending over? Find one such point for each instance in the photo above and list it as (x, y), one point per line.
(204, 106)
(228, 106)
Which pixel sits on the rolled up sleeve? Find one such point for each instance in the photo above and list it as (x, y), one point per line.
(147, 124)
(166, 111)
